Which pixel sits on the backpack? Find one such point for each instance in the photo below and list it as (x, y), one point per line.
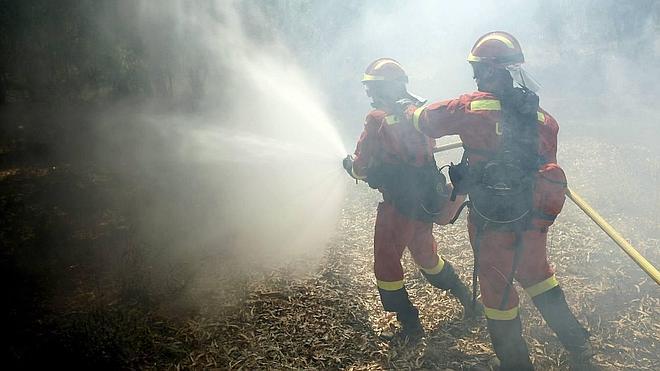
(501, 189)
(417, 192)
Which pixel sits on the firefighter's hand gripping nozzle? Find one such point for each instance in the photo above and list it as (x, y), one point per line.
(347, 164)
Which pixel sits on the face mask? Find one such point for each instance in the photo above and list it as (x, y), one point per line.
(382, 97)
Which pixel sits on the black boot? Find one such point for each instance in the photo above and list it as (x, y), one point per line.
(575, 338)
(447, 279)
(554, 309)
(509, 346)
(408, 316)
(411, 328)
(583, 360)
(410, 325)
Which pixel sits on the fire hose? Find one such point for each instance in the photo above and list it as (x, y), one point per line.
(641, 261)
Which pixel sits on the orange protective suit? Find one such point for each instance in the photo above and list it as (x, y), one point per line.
(476, 119)
(387, 140)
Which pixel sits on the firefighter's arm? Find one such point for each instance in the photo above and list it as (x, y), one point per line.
(548, 130)
(356, 164)
(441, 118)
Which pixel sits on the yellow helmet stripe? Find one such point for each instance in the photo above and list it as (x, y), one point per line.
(501, 38)
(368, 77)
(384, 62)
(473, 58)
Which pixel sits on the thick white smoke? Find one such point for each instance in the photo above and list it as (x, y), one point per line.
(251, 177)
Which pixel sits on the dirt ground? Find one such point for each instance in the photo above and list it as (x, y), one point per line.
(65, 223)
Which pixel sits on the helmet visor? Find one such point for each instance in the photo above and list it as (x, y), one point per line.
(523, 78)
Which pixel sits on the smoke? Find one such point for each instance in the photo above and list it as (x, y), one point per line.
(244, 179)
(595, 61)
(593, 51)
(236, 167)
(162, 155)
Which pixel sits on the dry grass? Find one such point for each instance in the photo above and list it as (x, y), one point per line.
(329, 318)
(310, 316)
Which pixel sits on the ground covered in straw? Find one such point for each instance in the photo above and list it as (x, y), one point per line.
(310, 313)
(331, 317)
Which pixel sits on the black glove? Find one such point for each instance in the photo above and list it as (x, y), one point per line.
(347, 163)
(459, 176)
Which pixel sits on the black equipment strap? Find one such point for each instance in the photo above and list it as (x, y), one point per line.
(475, 267)
(459, 211)
(518, 246)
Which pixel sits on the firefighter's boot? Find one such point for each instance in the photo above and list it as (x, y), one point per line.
(411, 328)
(509, 346)
(408, 316)
(447, 279)
(575, 339)
(583, 360)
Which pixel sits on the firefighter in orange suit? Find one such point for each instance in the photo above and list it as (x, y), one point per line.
(394, 158)
(516, 189)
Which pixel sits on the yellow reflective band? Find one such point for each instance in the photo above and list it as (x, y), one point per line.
(391, 119)
(501, 315)
(542, 286)
(435, 270)
(473, 58)
(390, 285)
(540, 116)
(418, 112)
(501, 38)
(386, 61)
(367, 77)
(485, 105)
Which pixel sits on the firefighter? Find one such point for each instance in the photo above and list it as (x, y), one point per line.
(516, 189)
(394, 158)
